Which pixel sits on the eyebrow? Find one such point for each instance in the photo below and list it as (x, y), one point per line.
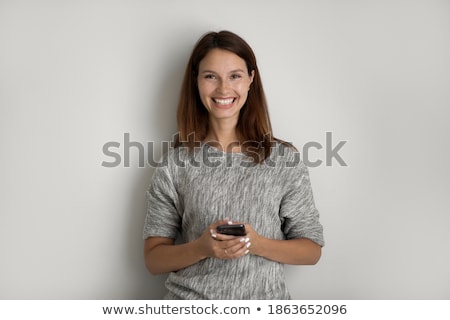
(232, 71)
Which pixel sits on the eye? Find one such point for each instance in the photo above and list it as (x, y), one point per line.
(236, 76)
(210, 76)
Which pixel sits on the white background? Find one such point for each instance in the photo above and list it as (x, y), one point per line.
(75, 75)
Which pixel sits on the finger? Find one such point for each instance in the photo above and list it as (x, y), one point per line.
(244, 243)
(225, 237)
(224, 253)
(239, 248)
(242, 251)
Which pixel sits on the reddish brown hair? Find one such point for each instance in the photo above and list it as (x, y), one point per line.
(253, 128)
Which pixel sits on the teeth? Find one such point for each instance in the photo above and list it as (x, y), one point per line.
(224, 101)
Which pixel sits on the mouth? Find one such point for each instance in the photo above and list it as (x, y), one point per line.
(223, 102)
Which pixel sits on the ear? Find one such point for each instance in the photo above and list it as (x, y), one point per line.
(252, 76)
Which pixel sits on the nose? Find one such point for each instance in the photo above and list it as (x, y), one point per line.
(222, 86)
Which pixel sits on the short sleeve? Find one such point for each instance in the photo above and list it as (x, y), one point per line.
(163, 218)
(298, 212)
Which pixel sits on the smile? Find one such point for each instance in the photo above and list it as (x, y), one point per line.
(224, 102)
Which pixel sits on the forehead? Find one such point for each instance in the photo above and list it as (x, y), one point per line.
(222, 60)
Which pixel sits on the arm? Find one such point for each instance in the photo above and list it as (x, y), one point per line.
(162, 256)
(299, 251)
(300, 224)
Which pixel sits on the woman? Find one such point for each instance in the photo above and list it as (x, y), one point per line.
(226, 168)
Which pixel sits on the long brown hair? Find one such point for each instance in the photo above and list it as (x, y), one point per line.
(253, 128)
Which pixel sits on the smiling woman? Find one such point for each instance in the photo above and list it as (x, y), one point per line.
(223, 111)
(223, 67)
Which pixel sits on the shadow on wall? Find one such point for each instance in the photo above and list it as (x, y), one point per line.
(162, 121)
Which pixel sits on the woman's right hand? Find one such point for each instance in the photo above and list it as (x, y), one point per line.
(214, 245)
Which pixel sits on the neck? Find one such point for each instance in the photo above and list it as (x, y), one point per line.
(224, 133)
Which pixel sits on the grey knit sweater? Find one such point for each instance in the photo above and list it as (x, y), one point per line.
(188, 192)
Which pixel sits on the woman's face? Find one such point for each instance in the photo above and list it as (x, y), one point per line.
(223, 84)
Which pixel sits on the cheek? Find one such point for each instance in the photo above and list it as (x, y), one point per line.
(204, 89)
(242, 90)
(243, 87)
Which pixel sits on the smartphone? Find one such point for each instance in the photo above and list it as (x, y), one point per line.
(232, 229)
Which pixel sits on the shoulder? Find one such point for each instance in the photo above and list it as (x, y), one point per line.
(284, 145)
(287, 158)
(284, 151)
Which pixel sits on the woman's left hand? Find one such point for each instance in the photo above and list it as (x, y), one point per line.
(255, 239)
